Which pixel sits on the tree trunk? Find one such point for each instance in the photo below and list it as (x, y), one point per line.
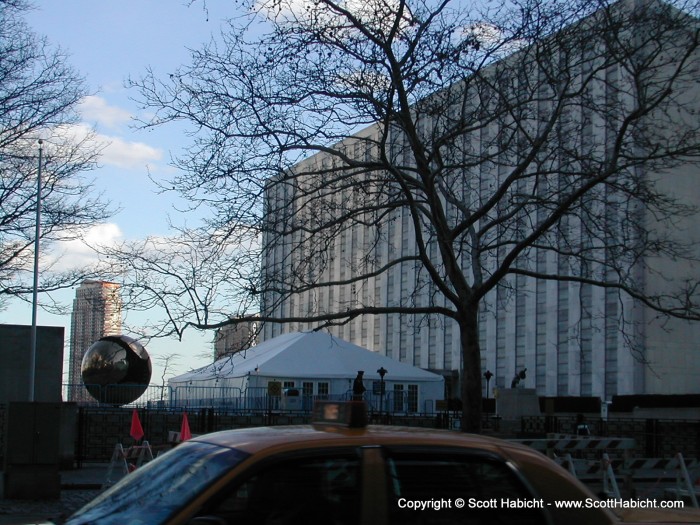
(471, 370)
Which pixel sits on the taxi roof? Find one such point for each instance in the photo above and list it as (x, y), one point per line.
(258, 439)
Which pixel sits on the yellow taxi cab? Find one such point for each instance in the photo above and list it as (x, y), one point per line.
(341, 471)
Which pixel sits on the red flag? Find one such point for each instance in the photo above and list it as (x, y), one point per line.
(136, 428)
(185, 433)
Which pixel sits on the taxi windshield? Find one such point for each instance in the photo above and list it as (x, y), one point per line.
(151, 494)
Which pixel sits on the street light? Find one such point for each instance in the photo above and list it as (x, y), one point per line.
(382, 372)
(487, 375)
(35, 290)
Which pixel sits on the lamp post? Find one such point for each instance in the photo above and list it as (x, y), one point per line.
(35, 290)
(488, 375)
(382, 372)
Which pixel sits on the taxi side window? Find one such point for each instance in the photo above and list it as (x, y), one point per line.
(311, 490)
(439, 488)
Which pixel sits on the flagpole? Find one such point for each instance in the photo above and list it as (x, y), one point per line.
(35, 290)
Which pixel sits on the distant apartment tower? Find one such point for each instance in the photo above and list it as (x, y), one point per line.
(97, 312)
(234, 338)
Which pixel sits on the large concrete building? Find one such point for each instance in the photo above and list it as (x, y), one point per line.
(97, 312)
(574, 339)
(234, 338)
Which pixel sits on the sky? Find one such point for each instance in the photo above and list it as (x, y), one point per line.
(109, 41)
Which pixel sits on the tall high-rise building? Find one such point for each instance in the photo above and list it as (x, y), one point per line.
(97, 312)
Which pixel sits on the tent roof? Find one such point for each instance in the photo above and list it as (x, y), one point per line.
(307, 355)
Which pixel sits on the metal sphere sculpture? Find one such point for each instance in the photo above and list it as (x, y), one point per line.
(116, 370)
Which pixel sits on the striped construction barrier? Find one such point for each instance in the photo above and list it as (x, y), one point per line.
(585, 469)
(592, 470)
(127, 460)
(655, 468)
(578, 443)
(675, 469)
(639, 470)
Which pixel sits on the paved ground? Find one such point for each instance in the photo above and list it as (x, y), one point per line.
(77, 488)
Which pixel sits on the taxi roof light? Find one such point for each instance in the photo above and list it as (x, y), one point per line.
(350, 414)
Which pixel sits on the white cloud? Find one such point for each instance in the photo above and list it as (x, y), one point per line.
(103, 234)
(78, 252)
(96, 109)
(115, 151)
(129, 155)
(378, 15)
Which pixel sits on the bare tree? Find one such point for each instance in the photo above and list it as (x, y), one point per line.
(498, 137)
(169, 364)
(39, 93)
(184, 275)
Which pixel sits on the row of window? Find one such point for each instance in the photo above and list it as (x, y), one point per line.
(401, 397)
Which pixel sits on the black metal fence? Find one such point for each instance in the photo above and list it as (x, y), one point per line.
(151, 395)
(99, 429)
(236, 399)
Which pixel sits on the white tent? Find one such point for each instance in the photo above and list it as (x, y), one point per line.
(316, 365)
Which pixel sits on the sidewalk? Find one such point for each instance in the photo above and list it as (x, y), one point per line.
(77, 488)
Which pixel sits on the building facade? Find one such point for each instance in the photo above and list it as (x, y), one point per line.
(234, 338)
(97, 312)
(573, 338)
